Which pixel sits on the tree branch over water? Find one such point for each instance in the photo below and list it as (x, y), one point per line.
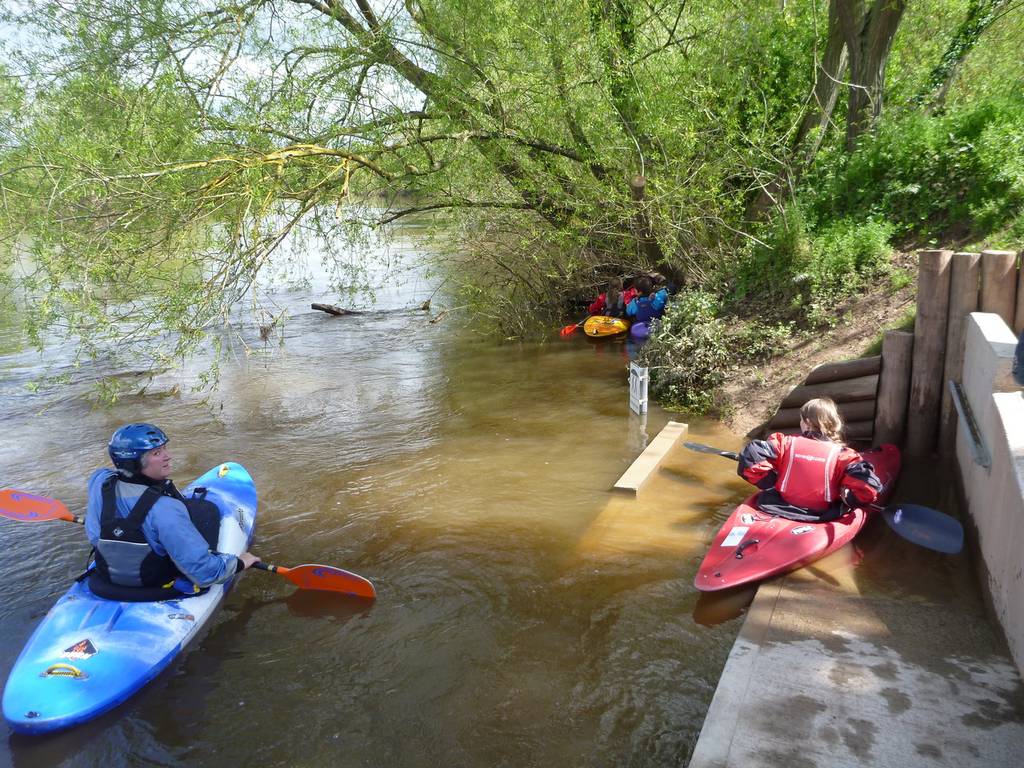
(563, 145)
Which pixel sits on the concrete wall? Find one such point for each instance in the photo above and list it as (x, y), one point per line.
(995, 495)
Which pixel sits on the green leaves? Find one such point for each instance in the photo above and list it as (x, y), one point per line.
(688, 352)
(165, 149)
(930, 174)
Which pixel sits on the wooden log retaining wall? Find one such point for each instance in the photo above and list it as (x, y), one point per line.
(904, 391)
(929, 351)
(989, 282)
(852, 384)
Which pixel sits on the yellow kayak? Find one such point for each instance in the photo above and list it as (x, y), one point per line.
(600, 326)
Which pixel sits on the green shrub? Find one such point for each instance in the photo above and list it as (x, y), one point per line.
(688, 353)
(810, 271)
(843, 253)
(928, 174)
(900, 279)
(772, 269)
(759, 342)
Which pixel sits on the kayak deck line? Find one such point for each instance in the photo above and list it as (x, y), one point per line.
(647, 463)
(825, 676)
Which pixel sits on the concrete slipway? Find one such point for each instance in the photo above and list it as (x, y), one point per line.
(824, 675)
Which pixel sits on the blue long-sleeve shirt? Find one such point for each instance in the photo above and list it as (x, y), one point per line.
(168, 529)
(644, 309)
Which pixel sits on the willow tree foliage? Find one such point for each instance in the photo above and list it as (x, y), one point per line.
(164, 149)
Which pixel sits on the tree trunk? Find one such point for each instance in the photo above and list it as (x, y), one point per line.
(826, 91)
(816, 120)
(649, 247)
(869, 32)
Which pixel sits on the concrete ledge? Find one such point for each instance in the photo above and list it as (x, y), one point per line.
(824, 678)
(649, 461)
(723, 719)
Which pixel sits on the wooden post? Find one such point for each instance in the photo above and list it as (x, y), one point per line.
(963, 299)
(999, 284)
(893, 387)
(1018, 316)
(929, 351)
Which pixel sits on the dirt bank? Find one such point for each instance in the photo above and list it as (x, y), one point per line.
(753, 392)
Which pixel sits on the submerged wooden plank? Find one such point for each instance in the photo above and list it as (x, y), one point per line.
(647, 462)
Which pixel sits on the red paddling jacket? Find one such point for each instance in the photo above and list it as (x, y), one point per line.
(807, 472)
(600, 305)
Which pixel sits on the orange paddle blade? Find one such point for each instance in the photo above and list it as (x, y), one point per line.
(569, 330)
(326, 578)
(30, 508)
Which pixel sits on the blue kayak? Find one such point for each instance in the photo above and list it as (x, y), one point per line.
(90, 654)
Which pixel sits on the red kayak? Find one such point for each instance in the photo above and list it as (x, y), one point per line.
(753, 545)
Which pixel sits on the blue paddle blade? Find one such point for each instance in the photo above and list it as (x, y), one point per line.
(926, 527)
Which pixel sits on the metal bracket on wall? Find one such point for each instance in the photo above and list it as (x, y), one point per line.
(963, 408)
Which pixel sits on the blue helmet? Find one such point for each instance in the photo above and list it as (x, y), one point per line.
(131, 441)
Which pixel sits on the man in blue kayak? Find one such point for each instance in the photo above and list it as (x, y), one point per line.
(150, 542)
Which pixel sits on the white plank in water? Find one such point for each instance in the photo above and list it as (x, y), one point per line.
(647, 462)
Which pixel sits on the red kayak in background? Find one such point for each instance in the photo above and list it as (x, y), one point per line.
(753, 545)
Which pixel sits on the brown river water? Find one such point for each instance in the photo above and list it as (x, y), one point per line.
(527, 616)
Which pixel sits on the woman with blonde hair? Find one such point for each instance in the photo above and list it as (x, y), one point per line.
(806, 476)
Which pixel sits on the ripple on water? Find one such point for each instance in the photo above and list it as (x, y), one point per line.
(525, 615)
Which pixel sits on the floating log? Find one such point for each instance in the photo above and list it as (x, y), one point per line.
(861, 388)
(929, 350)
(894, 386)
(857, 410)
(333, 310)
(845, 369)
(963, 299)
(998, 284)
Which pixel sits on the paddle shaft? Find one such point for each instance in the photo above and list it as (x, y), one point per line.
(571, 329)
(701, 448)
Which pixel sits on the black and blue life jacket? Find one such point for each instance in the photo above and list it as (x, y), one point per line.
(127, 567)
